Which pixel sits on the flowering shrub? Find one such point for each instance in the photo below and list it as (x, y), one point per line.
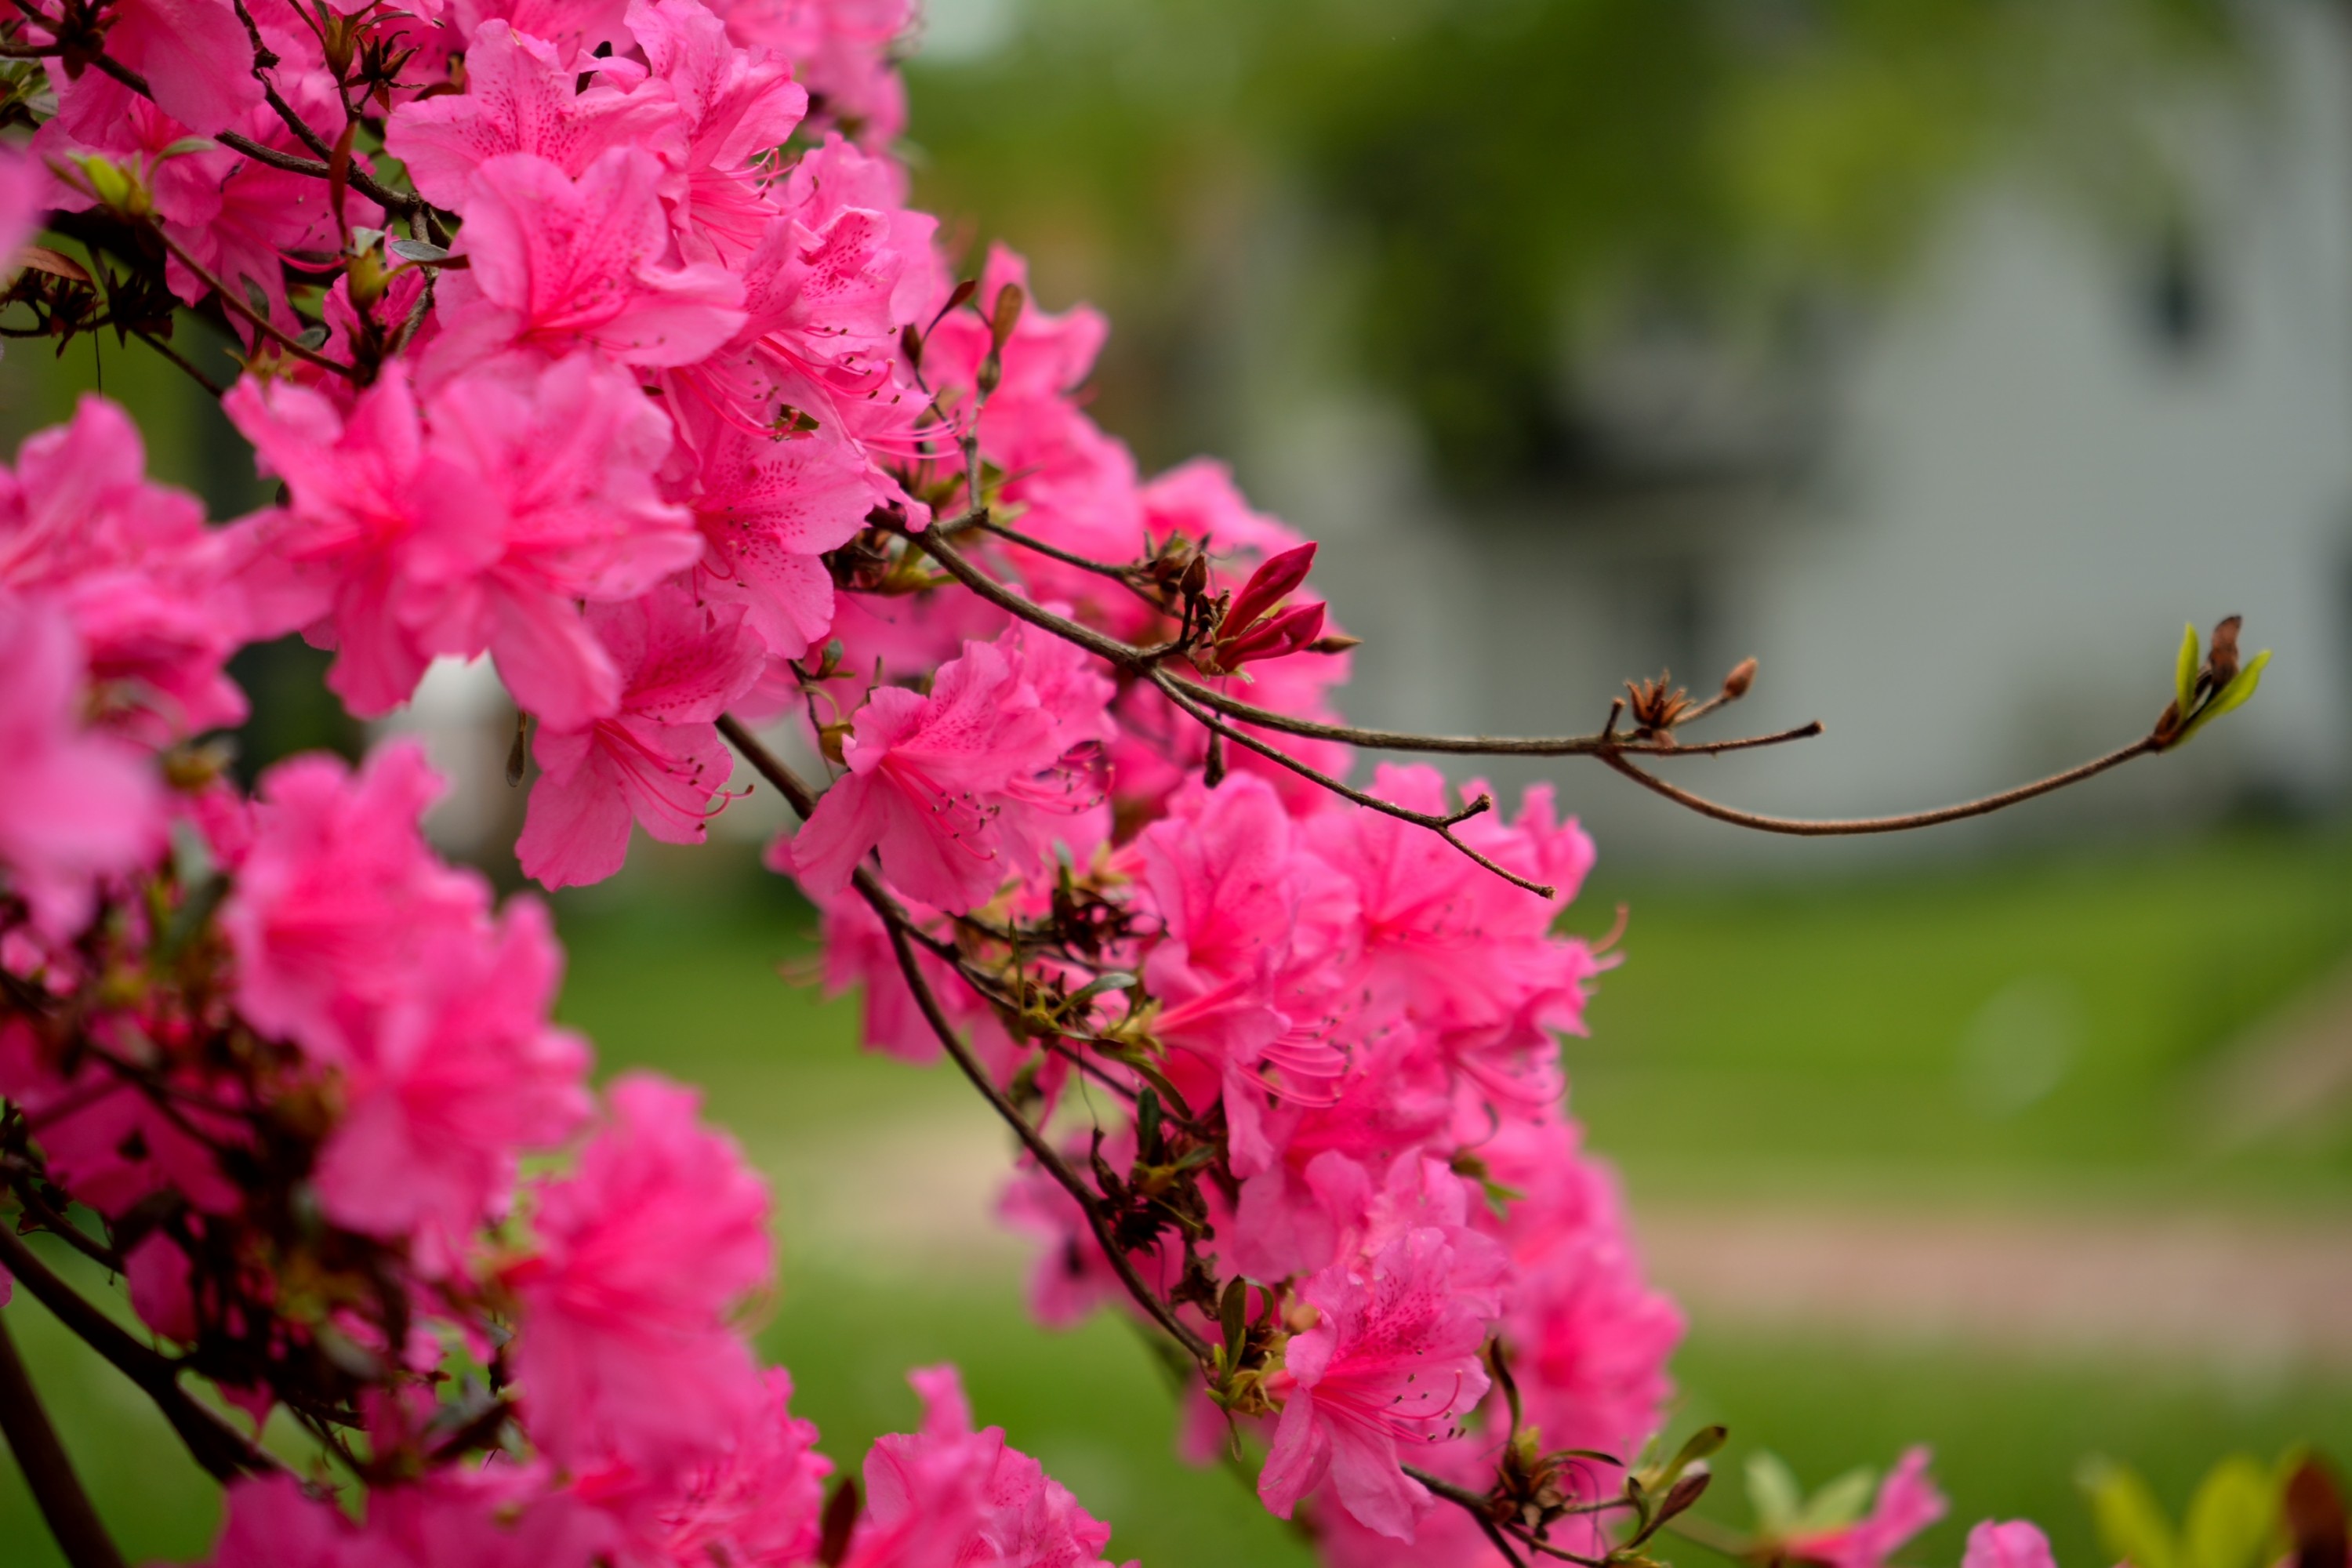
(598, 338)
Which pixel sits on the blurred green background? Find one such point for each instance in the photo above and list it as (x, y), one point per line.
(2125, 1034)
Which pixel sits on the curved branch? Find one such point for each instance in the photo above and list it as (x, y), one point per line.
(214, 1442)
(262, 324)
(1441, 826)
(48, 1473)
(895, 920)
(1834, 827)
(1139, 662)
(1478, 1506)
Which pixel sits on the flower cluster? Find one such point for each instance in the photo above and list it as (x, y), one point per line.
(597, 338)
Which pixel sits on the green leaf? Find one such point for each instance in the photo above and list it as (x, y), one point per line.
(188, 144)
(2231, 1516)
(1115, 979)
(1772, 1492)
(418, 250)
(2241, 686)
(2132, 1525)
(2184, 673)
(1838, 1504)
(1232, 1317)
(1699, 1444)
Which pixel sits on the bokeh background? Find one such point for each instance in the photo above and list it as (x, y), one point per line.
(1947, 355)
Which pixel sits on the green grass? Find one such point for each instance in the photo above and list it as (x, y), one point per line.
(1804, 1040)
(1849, 1035)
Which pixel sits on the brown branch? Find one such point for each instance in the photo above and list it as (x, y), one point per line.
(1441, 826)
(1704, 1533)
(1842, 827)
(896, 921)
(220, 1447)
(1480, 1507)
(262, 324)
(1140, 661)
(48, 1473)
(169, 352)
(21, 1182)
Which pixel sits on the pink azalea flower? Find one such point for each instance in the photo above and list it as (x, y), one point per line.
(444, 1087)
(576, 27)
(569, 450)
(195, 57)
(659, 760)
(27, 188)
(1591, 1337)
(133, 566)
(841, 48)
(530, 491)
(960, 789)
(383, 528)
(736, 105)
(156, 1271)
(1253, 958)
(1446, 1537)
(1392, 1365)
(760, 1502)
(339, 898)
(947, 1496)
(625, 1354)
(2012, 1543)
(520, 98)
(261, 213)
(503, 1516)
(1907, 1503)
(558, 262)
(1462, 954)
(769, 504)
(75, 808)
(106, 1140)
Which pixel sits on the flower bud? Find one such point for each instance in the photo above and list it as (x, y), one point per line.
(118, 189)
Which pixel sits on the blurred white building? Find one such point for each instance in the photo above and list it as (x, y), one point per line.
(1965, 536)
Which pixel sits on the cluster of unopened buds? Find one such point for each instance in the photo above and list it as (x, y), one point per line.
(597, 338)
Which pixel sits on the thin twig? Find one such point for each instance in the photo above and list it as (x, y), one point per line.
(1139, 661)
(268, 328)
(895, 920)
(220, 1447)
(1842, 827)
(21, 1183)
(169, 352)
(1441, 825)
(1481, 1508)
(48, 1473)
(1704, 1533)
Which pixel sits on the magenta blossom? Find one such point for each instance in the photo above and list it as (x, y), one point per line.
(1392, 1365)
(449, 1083)
(557, 262)
(519, 98)
(961, 790)
(1907, 1503)
(659, 760)
(947, 1496)
(339, 898)
(75, 808)
(624, 1353)
(2013, 1543)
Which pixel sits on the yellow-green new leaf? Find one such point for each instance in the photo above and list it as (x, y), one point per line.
(2132, 1525)
(2184, 673)
(2241, 686)
(2232, 1516)
(1772, 1492)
